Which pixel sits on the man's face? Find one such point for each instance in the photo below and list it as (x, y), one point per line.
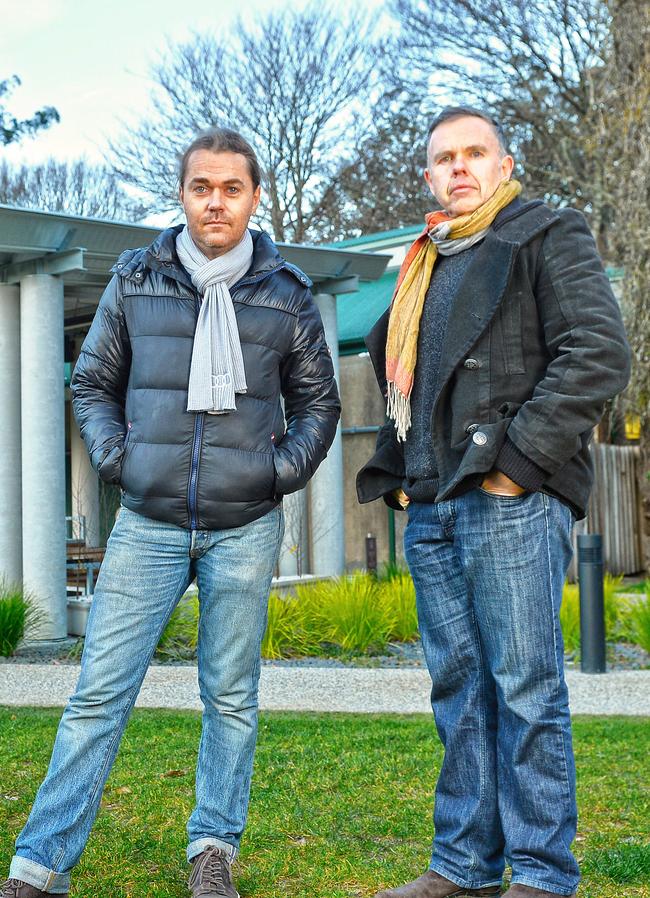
(218, 198)
(465, 164)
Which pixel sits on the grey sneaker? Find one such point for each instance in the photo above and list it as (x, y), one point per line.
(15, 888)
(210, 876)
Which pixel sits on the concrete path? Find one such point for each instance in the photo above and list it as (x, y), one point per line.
(358, 690)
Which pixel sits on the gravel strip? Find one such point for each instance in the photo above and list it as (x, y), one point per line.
(317, 689)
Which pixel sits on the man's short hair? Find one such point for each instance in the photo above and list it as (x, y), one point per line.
(222, 140)
(451, 112)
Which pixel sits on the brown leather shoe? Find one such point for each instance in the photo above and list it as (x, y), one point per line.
(210, 876)
(521, 891)
(16, 888)
(433, 885)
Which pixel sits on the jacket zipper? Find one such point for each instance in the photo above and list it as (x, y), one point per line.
(194, 470)
(196, 452)
(198, 426)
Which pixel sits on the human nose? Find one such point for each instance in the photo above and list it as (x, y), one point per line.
(459, 164)
(215, 200)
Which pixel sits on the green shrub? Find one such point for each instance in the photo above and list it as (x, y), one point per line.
(17, 615)
(280, 629)
(354, 614)
(614, 605)
(290, 629)
(617, 607)
(640, 619)
(391, 570)
(398, 593)
(351, 612)
(180, 637)
(570, 617)
(643, 587)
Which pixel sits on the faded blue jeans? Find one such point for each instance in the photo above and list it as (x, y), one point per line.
(488, 575)
(147, 568)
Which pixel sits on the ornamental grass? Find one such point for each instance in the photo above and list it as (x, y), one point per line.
(18, 615)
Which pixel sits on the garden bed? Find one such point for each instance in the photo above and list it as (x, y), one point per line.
(361, 620)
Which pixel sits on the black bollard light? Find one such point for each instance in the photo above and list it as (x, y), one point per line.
(371, 554)
(592, 603)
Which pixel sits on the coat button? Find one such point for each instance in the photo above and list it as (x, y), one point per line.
(471, 428)
(471, 364)
(480, 438)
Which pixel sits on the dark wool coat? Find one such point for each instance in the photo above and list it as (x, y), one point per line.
(129, 389)
(534, 347)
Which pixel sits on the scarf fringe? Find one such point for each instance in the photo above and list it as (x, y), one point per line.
(399, 410)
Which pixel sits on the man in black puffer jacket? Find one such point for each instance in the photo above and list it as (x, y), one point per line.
(178, 397)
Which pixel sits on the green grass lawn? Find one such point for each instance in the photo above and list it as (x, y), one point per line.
(341, 804)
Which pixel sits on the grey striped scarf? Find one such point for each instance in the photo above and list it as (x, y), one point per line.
(217, 369)
(439, 233)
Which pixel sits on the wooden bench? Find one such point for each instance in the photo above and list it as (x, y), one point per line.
(82, 567)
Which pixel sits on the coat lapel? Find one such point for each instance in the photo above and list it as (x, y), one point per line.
(476, 300)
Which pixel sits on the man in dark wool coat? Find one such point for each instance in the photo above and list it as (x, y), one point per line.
(178, 392)
(502, 343)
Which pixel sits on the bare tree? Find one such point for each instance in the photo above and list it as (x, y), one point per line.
(537, 64)
(78, 188)
(13, 129)
(571, 78)
(293, 83)
(382, 185)
(624, 140)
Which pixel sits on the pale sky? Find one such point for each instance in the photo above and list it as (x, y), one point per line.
(90, 59)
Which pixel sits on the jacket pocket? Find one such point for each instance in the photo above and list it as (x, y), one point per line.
(503, 496)
(108, 466)
(125, 449)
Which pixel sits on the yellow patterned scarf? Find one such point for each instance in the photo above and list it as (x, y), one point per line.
(412, 285)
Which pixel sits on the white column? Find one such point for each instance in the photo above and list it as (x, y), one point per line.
(43, 450)
(326, 489)
(84, 484)
(11, 550)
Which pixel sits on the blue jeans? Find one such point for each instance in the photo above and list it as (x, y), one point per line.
(148, 566)
(488, 575)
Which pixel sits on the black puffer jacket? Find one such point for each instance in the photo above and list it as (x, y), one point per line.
(129, 389)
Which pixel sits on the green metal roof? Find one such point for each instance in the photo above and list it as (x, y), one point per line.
(82, 251)
(380, 237)
(357, 312)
